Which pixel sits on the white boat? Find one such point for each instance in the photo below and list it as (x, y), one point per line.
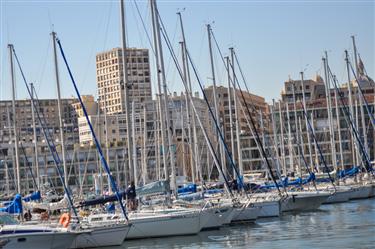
(340, 195)
(101, 235)
(372, 194)
(215, 217)
(303, 201)
(267, 208)
(162, 225)
(247, 212)
(19, 236)
(154, 224)
(361, 192)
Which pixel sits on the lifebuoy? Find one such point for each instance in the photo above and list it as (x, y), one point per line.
(65, 220)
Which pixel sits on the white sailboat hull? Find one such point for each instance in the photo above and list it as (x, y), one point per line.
(302, 201)
(248, 214)
(339, 196)
(372, 194)
(101, 236)
(361, 192)
(185, 223)
(268, 209)
(216, 217)
(58, 240)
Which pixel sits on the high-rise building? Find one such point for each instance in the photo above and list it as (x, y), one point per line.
(110, 78)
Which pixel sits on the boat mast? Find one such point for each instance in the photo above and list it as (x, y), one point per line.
(360, 97)
(274, 133)
(307, 132)
(329, 112)
(126, 86)
(159, 54)
(296, 128)
(106, 138)
(193, 126)
(354, 148)
(237, 116)
(290, 145)
(188, 111)
(135, 159)
(282, 139)
(230, 112)
(215, 98)
(144, 171)
(36, 152)
(59, 107)
(17, 166)
(315, 144)
(339, 128)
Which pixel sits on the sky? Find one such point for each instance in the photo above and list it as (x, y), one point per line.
(274, 40)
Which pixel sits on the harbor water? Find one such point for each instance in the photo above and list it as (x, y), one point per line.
(345, 225)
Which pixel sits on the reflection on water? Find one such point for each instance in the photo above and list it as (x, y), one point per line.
(346, 225)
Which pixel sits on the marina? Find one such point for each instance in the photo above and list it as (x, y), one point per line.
(138, 165)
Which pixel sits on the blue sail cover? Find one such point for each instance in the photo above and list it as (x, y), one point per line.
(286, 182)
(282, 183)
(348, 172)
(15, 207)
(33, 197)
(188, 189)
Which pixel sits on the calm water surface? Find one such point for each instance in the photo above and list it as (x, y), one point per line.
(346, 225)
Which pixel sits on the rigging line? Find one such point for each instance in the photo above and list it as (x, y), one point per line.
(215, 121)
(363, 96)
(257, 137)
(318, 146)
(217, 161)
(50, 144)
(44, 63)
(28, 166)
(144, 27)
(263, 152)
(349, 120)
(105, 165)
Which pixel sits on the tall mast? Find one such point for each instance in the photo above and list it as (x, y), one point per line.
(59, 107)
(291, 158)
(230, 113)
(329, 112)
(275, 138)
(192, 117)
(360, 97)
(307, 132)
(36, 152)
(188, 112)
(156, 30)
(356, 118)
(126, 86)
(184, 172)
(237, 119)
(144, 171)
(106, 138)
(315, 145)
(282, 139)
(339, 128)
(350, 101)
(17, 166)
(158, 122)
(135, 159)
(296, 128)
(215, 97)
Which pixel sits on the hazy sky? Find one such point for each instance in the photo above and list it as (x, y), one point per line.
(273, 39)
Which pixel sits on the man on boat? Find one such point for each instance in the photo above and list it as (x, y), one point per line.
(131, 197)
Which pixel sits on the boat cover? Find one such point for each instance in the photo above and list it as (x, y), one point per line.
(15, 207)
